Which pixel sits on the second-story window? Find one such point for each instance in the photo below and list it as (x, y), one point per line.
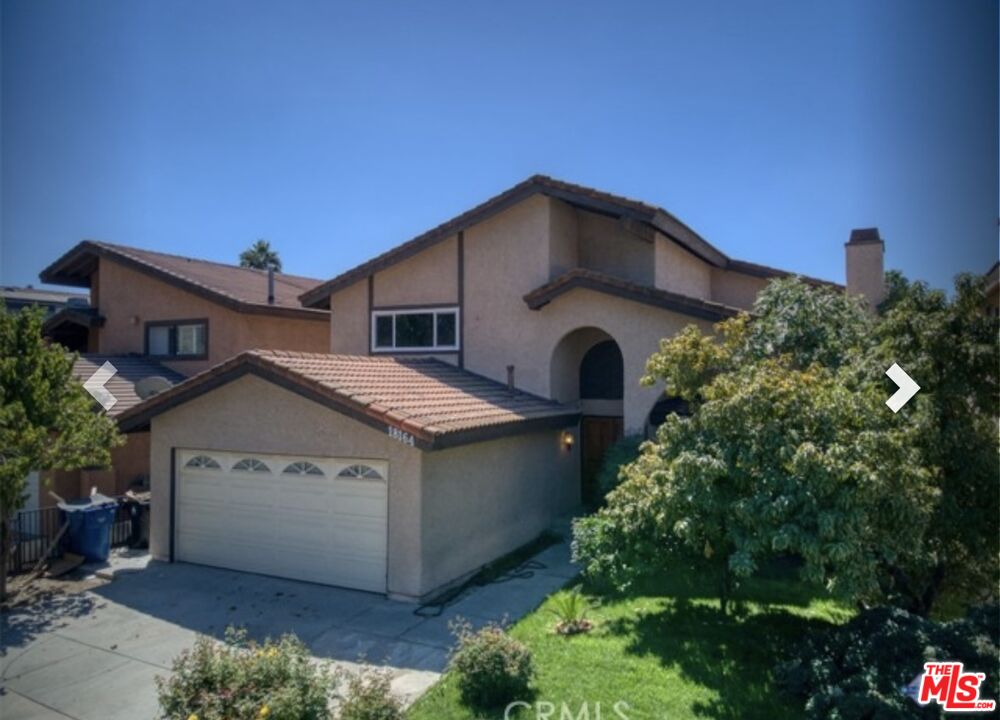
(417, 330)
(184, 339)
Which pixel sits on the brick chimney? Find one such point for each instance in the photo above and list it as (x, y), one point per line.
(865, 253)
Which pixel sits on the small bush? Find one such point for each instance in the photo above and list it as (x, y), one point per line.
(241, 680)
(570, 608)
(621, 453)
(492, 668)
(858, 670)
(368, 696)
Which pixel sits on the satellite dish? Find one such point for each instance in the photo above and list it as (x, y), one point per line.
(150, 386)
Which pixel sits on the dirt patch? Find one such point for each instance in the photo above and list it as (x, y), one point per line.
(22, 594)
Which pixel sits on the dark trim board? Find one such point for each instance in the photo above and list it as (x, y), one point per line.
(173, 500)
(599, 282)
(371, 303)
(460, 281)
(413, 306)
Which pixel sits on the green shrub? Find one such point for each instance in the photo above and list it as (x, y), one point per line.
(858, 670)
(621, 453)
(243, 680)
(570, 608)
(492, 668)
(368, 696)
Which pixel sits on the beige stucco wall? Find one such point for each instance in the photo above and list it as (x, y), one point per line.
(736, 289)
(507, 257)
(563, 241)
(230, 418)
(128, 299)
(428, 278)
(677, 270)
(606, 246)
(483, 500)
(349, 319)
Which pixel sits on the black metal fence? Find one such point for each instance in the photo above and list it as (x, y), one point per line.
(34, 531)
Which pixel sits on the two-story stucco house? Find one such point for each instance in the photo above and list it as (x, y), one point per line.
(154, 315)
(474, 376)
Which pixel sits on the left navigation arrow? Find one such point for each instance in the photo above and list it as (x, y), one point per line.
(95, 386)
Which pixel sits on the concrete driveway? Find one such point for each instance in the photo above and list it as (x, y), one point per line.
(95, 655)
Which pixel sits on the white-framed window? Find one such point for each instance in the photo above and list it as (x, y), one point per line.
(415, 330)
(177, 339)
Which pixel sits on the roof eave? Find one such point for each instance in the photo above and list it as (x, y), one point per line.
(655, 218)
(89, 249)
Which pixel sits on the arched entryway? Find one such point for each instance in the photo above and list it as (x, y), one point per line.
(588, 370)
(665, 406)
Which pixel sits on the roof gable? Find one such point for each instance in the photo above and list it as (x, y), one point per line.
(438, 404)
(631, 211)
(238, 288)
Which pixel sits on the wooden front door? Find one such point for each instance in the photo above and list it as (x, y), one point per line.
(597, 434)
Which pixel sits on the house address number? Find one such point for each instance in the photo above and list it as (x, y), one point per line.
(402, 436)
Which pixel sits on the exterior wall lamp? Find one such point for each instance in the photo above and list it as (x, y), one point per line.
(567, 440)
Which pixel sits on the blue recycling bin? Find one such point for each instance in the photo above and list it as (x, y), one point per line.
(90, 520)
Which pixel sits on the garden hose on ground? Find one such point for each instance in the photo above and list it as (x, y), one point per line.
(436, 607)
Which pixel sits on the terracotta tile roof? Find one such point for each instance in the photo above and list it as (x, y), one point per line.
(599, 282)
(586, 198)
(439, 404)
(131, 369)
(240, 288)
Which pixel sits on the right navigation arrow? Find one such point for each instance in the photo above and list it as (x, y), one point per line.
(907, 388)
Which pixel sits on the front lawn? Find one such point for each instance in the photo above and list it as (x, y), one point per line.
(667, 652)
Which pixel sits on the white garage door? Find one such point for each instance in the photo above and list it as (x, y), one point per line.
(317, 519)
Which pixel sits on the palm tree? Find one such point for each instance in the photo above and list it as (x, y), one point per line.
(260, 256)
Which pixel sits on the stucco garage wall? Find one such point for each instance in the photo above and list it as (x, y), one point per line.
(251, 414)
(483, 500)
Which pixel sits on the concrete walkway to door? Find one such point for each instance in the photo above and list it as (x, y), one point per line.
(95, 655)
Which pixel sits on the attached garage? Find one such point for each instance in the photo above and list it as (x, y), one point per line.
(318, 519)
(390, 475)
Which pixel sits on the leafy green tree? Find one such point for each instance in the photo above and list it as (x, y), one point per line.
(260, 256)
(791, 450)
(950, 347)
(47, 420)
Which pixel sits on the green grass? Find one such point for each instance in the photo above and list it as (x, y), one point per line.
(666, 651)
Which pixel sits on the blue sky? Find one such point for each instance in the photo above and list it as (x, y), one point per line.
(338, 130)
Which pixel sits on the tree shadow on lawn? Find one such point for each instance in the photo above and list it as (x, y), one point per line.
(732, 655)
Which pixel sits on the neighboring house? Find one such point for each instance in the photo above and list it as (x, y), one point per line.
(478, 373)
(15, 298)
(153, 314)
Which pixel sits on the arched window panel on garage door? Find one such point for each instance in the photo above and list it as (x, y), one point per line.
(204, 462)
(360, 472)
(302, 467)
(252, 464)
